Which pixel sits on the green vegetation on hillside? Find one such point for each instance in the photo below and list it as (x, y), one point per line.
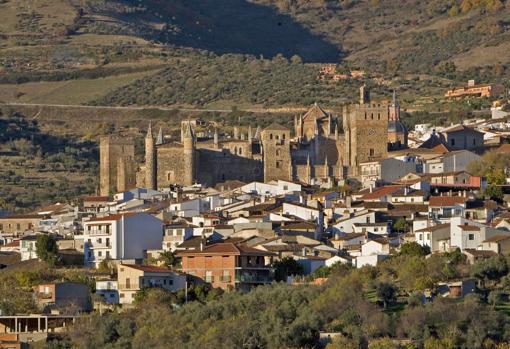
(366, 308)
(52, 167)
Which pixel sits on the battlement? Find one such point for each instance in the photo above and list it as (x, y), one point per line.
(116, 140)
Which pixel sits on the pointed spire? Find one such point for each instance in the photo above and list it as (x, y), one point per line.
(188, 130)
(149, 130)
(160, 139)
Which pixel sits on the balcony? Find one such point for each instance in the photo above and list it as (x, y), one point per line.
(258, 277)
(97, 245)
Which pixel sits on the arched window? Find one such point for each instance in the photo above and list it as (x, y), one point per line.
(277, 152)
(270, 136)
(283, 136)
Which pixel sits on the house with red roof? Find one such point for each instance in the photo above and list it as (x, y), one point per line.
(228, 265)
(443, 208)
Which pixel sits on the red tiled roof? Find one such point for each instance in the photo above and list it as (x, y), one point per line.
(113, 217)
(497, 238)
(227, 248)
(95, 198)
(504, 148)
(446, 200)
(148, 268)
(382, 191)
(466, 227)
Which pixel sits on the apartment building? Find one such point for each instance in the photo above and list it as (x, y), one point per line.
(120, 237)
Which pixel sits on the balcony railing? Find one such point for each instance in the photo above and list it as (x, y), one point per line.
(257, 278)
(100, 245)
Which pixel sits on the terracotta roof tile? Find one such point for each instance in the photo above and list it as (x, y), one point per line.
(446, 200)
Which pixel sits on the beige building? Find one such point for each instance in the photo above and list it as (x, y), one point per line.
(132, 278)
(323, 149)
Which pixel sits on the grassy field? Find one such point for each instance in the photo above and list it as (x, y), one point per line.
(66, 92)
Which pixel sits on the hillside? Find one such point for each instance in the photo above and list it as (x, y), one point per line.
(209, 53)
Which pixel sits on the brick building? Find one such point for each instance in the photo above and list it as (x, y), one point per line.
(228, 265)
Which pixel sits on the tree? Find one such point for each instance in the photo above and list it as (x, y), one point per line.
(382, 343)
(286, 267)
(46, 249)
(495, 297)
(414, 249)
(400, 225)
(169, 259)
(387, 292)
(491, 269)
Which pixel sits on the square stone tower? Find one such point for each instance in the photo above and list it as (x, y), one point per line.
(116, 164)
(276, 153)
(366, 132)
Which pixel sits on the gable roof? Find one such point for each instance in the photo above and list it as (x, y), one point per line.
(149, 268)
(276, 127)
(315, 112)
(436, 143)
(226, 248)
(459, 128)
(112, 217)
(497, 238)
(446, 200)
(382, 191)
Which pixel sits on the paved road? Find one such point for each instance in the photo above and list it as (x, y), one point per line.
(191, 110)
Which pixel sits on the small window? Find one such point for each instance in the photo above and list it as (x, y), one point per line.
(471, 237)
(372, 152)
(270, 136)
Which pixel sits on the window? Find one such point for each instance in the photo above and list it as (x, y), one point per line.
(270, 136)
(277, 152)
(209, 276)
(471, 237)
(474, 141)
(99, 254)
(420, 237)
(372, 152)
(18, 226)
(278, 164)
(452, 141)
(128, 283)
(121, 295)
